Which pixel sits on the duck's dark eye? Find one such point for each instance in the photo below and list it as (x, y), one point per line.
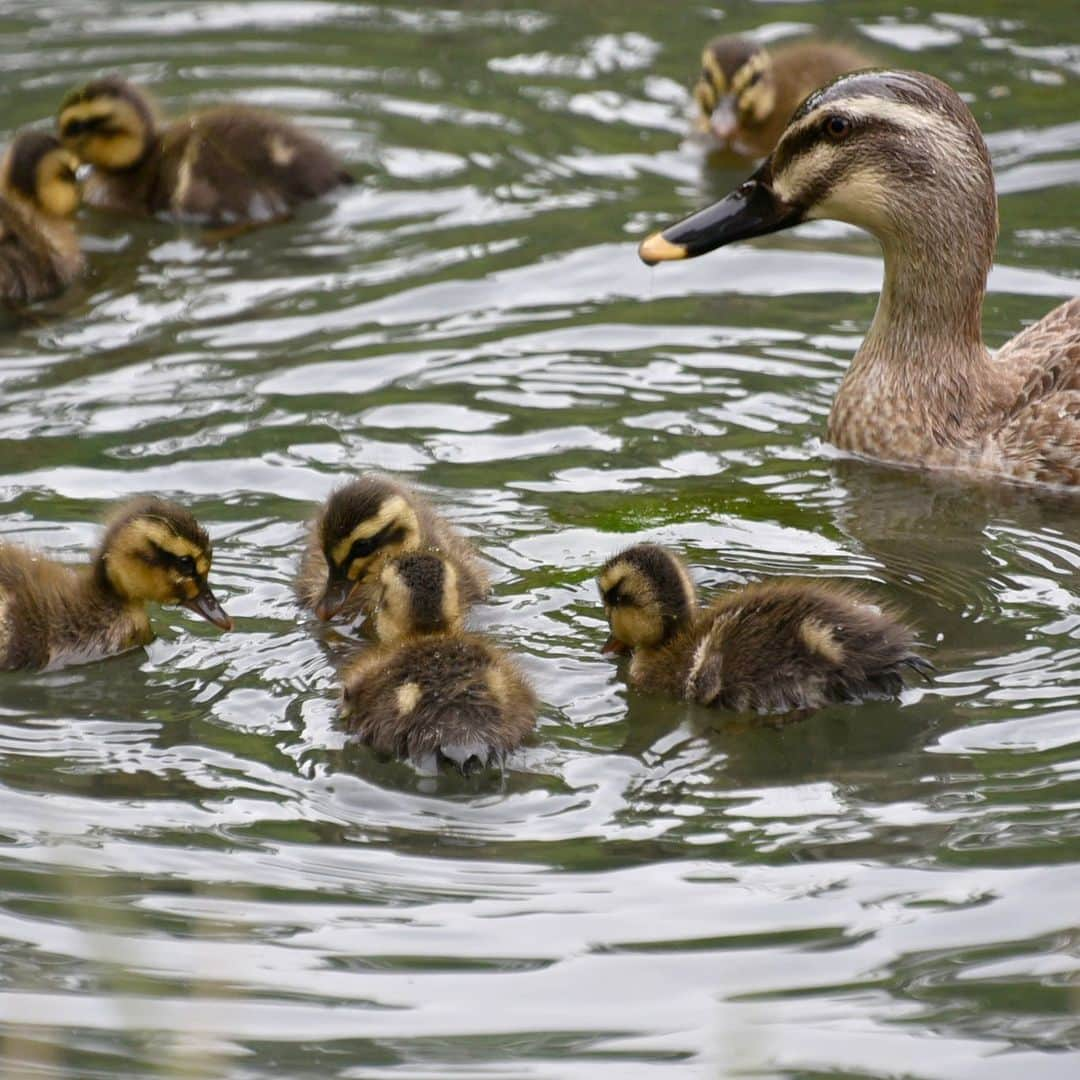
(837, 127)
(755, 78)
(186, 565)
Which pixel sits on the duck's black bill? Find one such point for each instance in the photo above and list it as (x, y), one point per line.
(752, 209)
(338, 590)
(206, 604)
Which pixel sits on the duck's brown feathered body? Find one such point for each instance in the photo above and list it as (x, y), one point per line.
(781, 646)
(222, 166)
(769, 647)
(39, 250)
(382, 518)
(452, 697)
(53, 614)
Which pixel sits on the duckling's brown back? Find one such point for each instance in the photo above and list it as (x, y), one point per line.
(786, 645)
(30, 269)
(441, 697)
(240, 164)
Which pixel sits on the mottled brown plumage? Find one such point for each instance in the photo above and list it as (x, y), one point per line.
(746, 93)
(222, 166)
(53, 614)
(768, 647)
(900, 155)
(429, 691)
(361, 525)
(39, 251)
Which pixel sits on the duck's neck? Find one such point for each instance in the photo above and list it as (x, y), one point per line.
(922, 375)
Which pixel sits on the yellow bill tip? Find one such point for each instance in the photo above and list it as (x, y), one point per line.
(654, 249)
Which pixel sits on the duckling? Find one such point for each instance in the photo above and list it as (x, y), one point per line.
(900, 155)
(769, 647)
(430, 691)
(52, 614)
(360, 526)
(224, 166)
(39, 251)
(747, 93)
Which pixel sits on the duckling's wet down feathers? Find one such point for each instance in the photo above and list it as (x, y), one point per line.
(768, 647)
(39, 250)
(430, 691)
(52, 613)
(229, 165)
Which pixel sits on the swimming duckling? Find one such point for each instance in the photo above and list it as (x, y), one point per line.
(747, 93)
(223, 166)
(360, 526)
(39, 251)
(52, 614)
(430, 691)
(899, 154)
(769, 647)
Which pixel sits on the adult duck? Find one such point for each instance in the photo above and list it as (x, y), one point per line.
(900, 155)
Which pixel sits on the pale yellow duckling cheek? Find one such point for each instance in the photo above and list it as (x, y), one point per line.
(756, 104)
(636, 627)
(57, 190)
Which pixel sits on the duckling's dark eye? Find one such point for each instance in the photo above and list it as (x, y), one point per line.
(755, 78)
(837, 127)
(186, 565)
(361, 549)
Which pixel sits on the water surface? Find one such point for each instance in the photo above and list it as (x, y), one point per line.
(199, 878)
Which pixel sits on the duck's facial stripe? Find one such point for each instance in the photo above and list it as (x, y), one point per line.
(611, 581)
(749, 73)
(808, 164)
(91, 117)
(712, 72)
(705, 96)
(175, 552)
(863, 113)
(106, 131)
(390, 524)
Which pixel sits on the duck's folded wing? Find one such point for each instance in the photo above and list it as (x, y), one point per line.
(1042, 425)
(1050, 349)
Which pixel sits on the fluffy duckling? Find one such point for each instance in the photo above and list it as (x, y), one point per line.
(430, 691)
(52, 614)
(39, 251)
(900, 155)
(747, 93)
(360, 526)
(223, 166)
(770, 647)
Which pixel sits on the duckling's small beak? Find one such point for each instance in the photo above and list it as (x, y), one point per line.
(614, 645)
(752, 209)
(206, 604)
(337, 591)
(724, 121)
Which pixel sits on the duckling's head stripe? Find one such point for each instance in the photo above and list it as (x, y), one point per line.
(26, 152)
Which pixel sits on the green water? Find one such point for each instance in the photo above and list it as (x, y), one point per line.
(199, 879)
